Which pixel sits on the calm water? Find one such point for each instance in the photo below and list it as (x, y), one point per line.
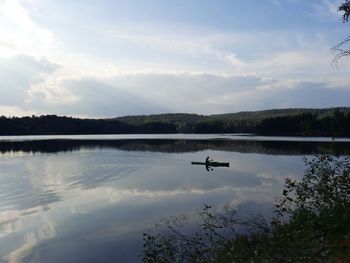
(90, 198)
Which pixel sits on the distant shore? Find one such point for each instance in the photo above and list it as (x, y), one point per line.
(331, 122)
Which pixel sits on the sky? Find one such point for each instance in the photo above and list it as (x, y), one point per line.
(100, 58)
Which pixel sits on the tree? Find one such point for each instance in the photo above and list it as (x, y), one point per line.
(345, 7)
(339, 49)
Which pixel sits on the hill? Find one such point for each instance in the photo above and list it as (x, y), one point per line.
(291, 122)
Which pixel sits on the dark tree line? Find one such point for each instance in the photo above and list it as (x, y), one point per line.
(325, 122)
(306, 124)
(55, 125)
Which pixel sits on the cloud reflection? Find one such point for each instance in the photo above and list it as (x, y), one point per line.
(89, 194)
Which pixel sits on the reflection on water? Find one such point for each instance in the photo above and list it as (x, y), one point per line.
(83, 200)
(180, 146)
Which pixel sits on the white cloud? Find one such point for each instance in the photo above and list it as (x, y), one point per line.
(52, 90)
(141, 93)
(13, 10)
(40, 86)
(136, 69)
(17, 74)
(24, 35)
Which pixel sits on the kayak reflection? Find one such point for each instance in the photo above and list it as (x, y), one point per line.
(209, 164)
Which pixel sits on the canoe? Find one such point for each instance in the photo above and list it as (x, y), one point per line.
(214, 164)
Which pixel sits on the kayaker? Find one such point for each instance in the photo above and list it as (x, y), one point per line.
(208, 160)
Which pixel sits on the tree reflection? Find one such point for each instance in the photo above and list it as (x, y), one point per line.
(276, 147)
(310, 224)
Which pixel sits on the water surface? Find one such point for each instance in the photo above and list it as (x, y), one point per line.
(90, 198)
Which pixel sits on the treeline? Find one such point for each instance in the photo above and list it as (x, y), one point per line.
(307, 124)
(55, 125)
(285, 122)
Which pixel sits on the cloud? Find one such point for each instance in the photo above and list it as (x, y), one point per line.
(144, 69)
(22, 35)
(308, 94)
(144, 47)
(271, 54)
(143, 93)
(147, 93)
(287, 94)
(38, 86)
(31, 85)
(17, 73)
(88, 97)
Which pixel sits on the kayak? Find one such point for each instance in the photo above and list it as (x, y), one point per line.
(214, 164)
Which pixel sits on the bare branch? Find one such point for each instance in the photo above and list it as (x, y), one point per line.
(339, 49)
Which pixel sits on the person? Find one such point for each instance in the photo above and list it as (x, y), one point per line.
(207, 164)
(208, 160)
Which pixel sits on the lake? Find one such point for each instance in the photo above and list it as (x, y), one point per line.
(90, 198)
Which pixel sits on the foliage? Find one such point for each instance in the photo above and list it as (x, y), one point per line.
(52, 125)
(339, 49)
(345, 7)
(311, 224)
(319, 210)
(338, 124)
(299, 122)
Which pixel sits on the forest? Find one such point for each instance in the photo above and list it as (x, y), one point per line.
(333, 122)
